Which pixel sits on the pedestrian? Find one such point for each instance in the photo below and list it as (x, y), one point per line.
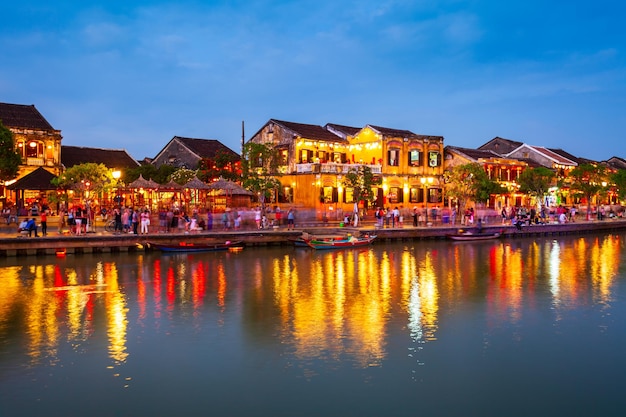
(257, 217)
(134, 216)
(291, 219)
(145, 221)
(117, 217)
(415, 215)
(31, 226)
(209, 221)
(169, 218)
(44, 223)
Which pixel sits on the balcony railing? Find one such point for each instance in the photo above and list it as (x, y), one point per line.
(34, 161)
(333, 168)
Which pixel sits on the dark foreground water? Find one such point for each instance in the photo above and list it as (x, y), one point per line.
(502, 328)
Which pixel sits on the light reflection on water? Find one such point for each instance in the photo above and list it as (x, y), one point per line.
(426, 313)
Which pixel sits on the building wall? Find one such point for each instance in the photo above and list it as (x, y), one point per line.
(178, 155)
(38, 148)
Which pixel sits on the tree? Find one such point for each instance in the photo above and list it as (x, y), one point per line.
(619, 180)
(89, 177)
(469, 182)
(10, 160)
(223, 165)
(182, 176)
(149, 171)
(260, 167)
(587, 180)
(361, 180)
(536, 181)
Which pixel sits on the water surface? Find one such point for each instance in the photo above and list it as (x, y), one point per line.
(499, 328)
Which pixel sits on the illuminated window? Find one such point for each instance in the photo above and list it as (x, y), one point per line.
(434, 159)
(34, 149)
(393, 157)
(415, 158)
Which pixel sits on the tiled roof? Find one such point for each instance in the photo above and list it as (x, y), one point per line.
(205, 148)
(396, 133)
(346, 130)
(24, 116)
(554, 156)
(475, 154)
(313, 132)
(111, 158)
(39, 179)
(566, 155)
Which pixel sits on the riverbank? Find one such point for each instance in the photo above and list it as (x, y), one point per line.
(98, 240)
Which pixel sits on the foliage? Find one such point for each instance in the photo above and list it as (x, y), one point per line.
(149, 171)
(536, 181)
(260, 167)
(86, 177)
(469, 182)
(223, 165)
(10, 160)
(619, 180)
(361, 180)
(586, 180)
(182, 175)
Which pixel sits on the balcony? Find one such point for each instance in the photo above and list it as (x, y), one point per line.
(333, 168)
(35, 162)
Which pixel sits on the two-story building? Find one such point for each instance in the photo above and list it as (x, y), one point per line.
(39, 145)
(316, 159)
(503, 170)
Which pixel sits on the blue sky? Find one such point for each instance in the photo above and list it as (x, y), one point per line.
(133, 74)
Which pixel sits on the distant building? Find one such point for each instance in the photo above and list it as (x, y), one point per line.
(182, 152)
(114, 159)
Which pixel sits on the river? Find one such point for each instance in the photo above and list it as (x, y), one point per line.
(533, 326)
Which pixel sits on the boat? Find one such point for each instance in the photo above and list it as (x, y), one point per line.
(301, 241)
(473, 236)
(347, 242)
(196, 247)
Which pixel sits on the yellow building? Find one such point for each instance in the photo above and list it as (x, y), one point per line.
(316, 159)
(37, 142)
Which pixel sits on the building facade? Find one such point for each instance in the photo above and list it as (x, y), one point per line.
(37, 142)
(316, 159)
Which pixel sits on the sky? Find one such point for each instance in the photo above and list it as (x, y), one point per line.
(133, 74)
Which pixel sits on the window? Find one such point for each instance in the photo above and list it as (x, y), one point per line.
(415, 158)
(414, 195)
(329, 195)
(393, 157)
(31, 149)
(434, 159)
(348, 195)
(306, 156)
(395, 195)
(283, 157)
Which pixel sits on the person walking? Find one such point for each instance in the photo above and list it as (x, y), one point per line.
(145, 221)
(291, 219)
(44, 222)
(117, 216)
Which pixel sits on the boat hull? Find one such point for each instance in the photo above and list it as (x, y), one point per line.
(196, 247)
(340, 244)
(466, 237)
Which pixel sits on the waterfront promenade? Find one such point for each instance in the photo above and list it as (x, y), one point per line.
(98, 240)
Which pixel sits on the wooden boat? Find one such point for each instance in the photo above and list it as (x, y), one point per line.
(196, 247)
(473, 236)
(348, 242)
(301, 241)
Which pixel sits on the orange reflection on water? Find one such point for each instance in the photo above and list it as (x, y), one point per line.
(342, 309)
